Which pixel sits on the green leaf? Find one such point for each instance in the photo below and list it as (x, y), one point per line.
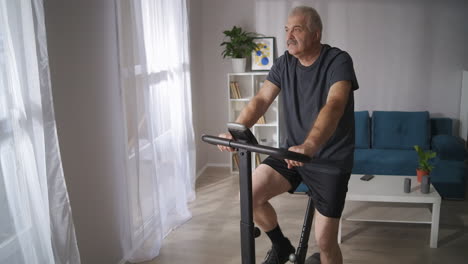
(424, 157)
(240, 43)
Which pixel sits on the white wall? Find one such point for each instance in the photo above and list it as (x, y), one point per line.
(408, 55)
(82, 46)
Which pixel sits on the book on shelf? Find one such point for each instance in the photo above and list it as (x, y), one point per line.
(261, 120)
(235, 90)
(231, 89)
(257, 160)
(236, 85)
(235, 159)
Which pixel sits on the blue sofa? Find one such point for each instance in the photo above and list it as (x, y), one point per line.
(385, 146)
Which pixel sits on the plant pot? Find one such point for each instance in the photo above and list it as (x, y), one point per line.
(238, 65)
(420, 174)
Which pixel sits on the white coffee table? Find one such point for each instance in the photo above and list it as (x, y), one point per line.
(389, 189)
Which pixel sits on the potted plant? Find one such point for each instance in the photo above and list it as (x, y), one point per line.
(239, 46)
(424, 167)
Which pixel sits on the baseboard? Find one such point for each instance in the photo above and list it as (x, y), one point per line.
(218, 165)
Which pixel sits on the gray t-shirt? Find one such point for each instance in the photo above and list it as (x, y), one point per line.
(304, 92)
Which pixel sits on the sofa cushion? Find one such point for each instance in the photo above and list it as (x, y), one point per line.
(362, 127)
(400, 130)
(385, 161)
(448, 147)
(449, 178)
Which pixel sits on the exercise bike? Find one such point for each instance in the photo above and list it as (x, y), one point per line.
(246, 143)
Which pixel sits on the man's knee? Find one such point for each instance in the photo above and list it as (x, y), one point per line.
(326, 232)
(258, 198)
(326, 242)
(266, 184)
(259, 189)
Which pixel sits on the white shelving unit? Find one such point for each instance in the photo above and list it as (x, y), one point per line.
(248, 84)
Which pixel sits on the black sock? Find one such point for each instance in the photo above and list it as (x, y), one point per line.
(277, 238)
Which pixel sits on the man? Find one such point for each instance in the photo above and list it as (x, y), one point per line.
(316, 83)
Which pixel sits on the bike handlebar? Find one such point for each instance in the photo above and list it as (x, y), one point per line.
(275, 152)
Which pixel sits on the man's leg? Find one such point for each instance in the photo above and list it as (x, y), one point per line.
(266, 184)
(326, 235)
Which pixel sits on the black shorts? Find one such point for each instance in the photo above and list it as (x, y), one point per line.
(328, 185)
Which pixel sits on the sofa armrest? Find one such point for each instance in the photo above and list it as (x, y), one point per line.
(448, 147)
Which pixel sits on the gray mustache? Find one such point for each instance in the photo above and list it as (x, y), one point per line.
(291, 41)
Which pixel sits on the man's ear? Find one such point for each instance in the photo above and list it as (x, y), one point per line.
(318, 34)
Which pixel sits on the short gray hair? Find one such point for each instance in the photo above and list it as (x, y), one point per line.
(313, 18)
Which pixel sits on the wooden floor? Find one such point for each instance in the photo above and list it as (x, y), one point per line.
(212, 235)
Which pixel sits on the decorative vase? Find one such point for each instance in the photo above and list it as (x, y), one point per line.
(425, 184)
(238, 65)
(420, 174)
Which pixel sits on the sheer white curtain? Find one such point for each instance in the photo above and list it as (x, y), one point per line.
(153, 43)
(35, 223)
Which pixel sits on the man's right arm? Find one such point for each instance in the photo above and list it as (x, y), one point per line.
(255, 108)
(259, 104)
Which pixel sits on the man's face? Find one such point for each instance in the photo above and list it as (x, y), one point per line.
(299, 39)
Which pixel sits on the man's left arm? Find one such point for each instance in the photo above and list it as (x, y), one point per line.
(326, 122)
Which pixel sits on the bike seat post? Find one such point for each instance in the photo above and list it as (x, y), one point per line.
(305, 234)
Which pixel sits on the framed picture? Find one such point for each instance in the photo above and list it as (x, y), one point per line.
(262, 58)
